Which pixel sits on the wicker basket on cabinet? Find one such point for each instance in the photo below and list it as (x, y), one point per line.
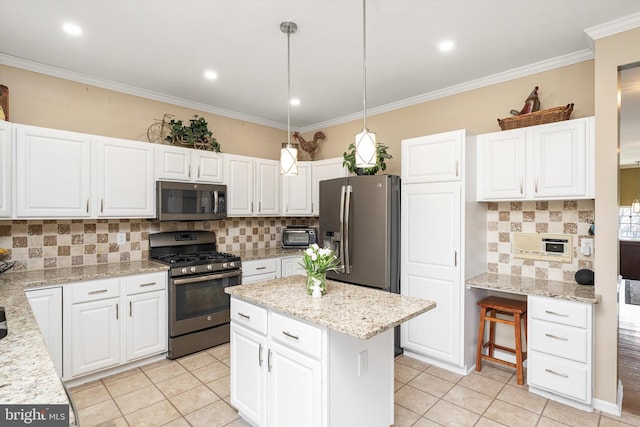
(541, 117)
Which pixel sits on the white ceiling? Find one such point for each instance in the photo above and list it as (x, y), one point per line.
(160, 49)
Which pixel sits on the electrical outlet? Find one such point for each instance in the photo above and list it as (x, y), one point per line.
(586, 247)
(230, 232)
(363, 362)
(122, 238)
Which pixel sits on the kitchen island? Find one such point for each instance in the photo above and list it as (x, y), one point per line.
(296, 360)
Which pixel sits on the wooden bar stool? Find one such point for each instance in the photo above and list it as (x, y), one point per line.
(489, 308)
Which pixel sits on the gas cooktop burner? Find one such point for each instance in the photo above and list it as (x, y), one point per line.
(196, 258)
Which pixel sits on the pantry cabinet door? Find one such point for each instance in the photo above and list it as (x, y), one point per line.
(53, 170)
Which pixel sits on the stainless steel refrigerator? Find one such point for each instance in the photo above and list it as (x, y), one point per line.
(360, 221)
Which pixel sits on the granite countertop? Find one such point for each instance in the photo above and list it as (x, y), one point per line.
(27, 374)
(354, 310)
(531, 286)
(255, 254)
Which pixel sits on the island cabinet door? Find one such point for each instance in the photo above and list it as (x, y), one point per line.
(249, 374)
(295, 388)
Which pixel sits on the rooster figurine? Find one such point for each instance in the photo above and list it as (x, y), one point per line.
(309, 146)
(531, 105)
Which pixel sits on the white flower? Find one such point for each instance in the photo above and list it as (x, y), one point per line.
(314, 257)
(315, 246)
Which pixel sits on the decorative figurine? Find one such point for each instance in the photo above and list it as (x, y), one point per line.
(531, 105)
(309, 146)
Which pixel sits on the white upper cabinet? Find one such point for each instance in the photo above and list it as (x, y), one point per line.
(125, 178)
(322, 170)
(267, 187)
(545, 162)
(6, 163)
(53, 172)
(187, 164)
(432, 158)
(296, 192)
(253, 186)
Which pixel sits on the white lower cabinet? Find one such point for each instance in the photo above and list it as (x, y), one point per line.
(46, 305)
(286, 372)
(290, 266)
(560, 354)
(259, 270)
(114, 321)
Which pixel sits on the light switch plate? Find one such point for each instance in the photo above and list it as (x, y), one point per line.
(122, 238)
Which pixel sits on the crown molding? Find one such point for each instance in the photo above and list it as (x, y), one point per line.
(527, 70)
(614, 27)
(37, 67)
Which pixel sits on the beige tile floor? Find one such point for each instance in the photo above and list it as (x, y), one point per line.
(194, 391)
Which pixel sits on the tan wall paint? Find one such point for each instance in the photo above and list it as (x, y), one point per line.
(629, 185)
(41, 100)
(476, 111)
(611, 52)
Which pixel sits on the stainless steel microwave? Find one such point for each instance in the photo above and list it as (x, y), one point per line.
(299, 237)
(184, 201)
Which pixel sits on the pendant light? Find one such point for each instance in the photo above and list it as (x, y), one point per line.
(366, 152)
(635, 206)
(289, 152)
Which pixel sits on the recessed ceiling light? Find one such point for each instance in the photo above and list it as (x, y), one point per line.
(72, 29)
(211, 75)
(446, 46)
(295, 102)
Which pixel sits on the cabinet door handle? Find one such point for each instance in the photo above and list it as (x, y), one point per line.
(269, 361)
(536, 189)
(455, 258)
(259, 206)
(130, 309)
(521, 185)
(553, 313)
(557, 337)
(457, 166)
(189, 171)
(259, 354)
(244, 315)
(290, 335)
(560, 374)
(101, 205)
(87, 205)
(101, 291)
(198, 171)
(147, 284)
(251, 207)
(117, 312)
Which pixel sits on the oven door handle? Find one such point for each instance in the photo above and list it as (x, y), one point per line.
(207, 277)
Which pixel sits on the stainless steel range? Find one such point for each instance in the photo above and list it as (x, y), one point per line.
(198, 306)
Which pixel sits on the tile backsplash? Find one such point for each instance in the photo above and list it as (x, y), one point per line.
(39, 244)
(556, 217)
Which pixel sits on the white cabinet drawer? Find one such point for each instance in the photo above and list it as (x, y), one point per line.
(558, 340)
(559, 311)
(559, 376)
(146, 283)
(94, 290)
(259, 266)
(249, 315)
(296, 334)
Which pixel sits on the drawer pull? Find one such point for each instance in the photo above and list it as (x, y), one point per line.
(553, 313)
(260, 355)
(261, 268)
(551, 371)
(101, 291)
(244, 315)
(556, 337)
(147, 284)
(290, 335)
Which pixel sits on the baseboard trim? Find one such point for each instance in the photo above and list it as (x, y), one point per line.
(440, 364)
(112, 371)
(610, 407)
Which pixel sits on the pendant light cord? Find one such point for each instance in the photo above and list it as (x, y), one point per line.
(364, 62)
(289, 89)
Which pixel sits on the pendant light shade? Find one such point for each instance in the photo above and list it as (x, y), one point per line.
(288, 153)
(288, 159)
(366, 151)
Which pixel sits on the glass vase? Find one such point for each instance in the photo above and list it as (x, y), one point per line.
(320, 279)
